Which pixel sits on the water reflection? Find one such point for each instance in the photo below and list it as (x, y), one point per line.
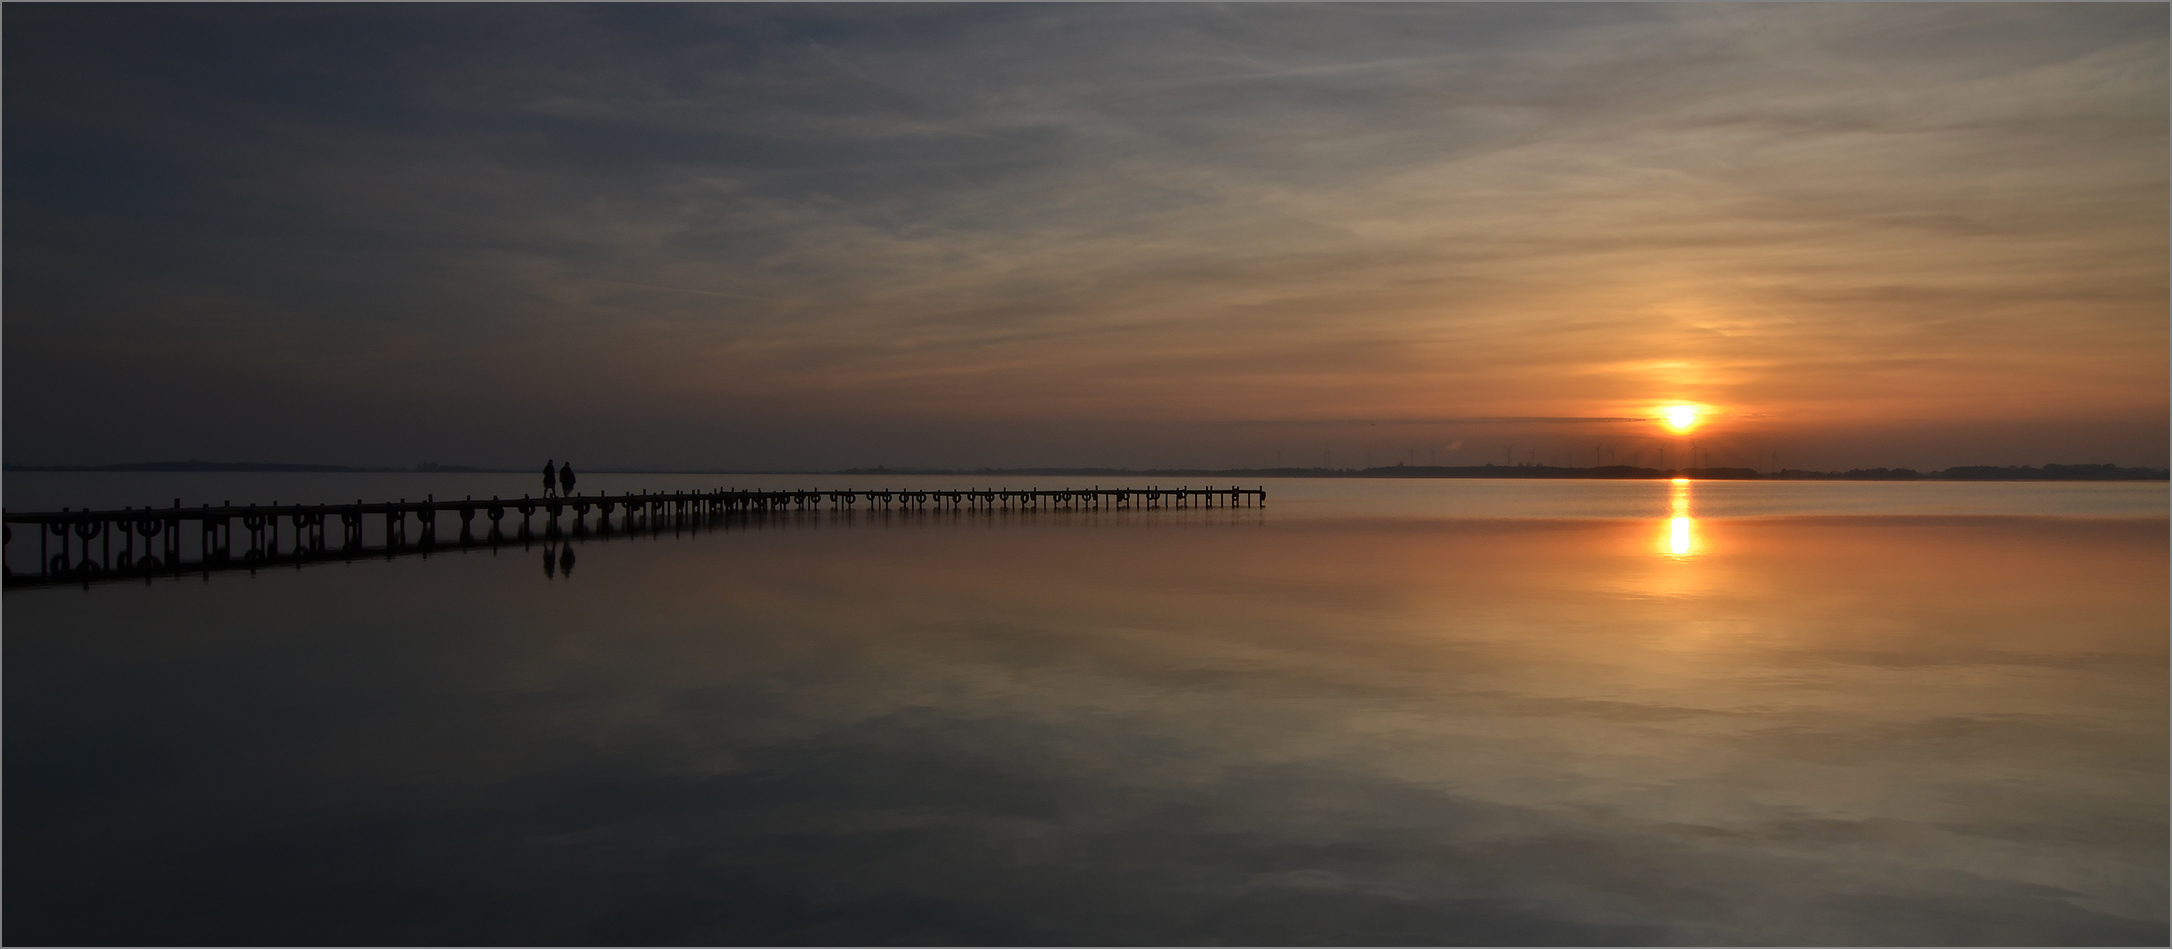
(1679, 538)
(558, 561)
(1045, 730)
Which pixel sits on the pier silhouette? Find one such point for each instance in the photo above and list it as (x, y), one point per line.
(81, 546)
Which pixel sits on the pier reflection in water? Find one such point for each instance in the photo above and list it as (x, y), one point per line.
(1225, 725)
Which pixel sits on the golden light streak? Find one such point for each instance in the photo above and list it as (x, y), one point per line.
(1679, 540)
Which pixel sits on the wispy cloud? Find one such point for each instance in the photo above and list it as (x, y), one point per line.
(969, 215)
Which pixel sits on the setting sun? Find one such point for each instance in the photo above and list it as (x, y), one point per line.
(1680, 418)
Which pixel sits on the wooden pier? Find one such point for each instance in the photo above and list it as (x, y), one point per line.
(83, 545)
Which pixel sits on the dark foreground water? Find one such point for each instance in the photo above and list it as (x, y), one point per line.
(1432, 713)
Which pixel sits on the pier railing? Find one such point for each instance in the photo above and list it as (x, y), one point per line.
(87, 544)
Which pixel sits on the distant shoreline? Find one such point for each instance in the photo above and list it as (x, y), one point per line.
(1974, 473)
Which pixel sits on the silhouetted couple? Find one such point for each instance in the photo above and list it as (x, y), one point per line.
(563, 478)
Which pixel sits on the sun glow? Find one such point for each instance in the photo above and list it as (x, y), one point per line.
(1680, 418)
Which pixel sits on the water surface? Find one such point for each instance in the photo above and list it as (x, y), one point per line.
(1438, 712)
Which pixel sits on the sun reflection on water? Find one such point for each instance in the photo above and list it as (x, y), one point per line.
(1680, 539)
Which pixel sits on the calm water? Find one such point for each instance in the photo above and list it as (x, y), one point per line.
(1438, 712)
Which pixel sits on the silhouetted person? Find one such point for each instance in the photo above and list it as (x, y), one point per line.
(565, 560)
(565, 479)
(550, 477)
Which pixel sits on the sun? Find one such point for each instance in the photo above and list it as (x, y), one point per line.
(1680, 418)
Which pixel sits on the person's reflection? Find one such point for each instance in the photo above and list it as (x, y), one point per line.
(550, 563)
(565, 561)
(1680, 538)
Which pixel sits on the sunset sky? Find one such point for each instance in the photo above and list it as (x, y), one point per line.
(812, 237)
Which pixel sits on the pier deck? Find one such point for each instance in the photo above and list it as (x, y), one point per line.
(78, 545)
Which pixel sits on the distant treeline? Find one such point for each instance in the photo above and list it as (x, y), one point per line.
(1984, 473)
(196, 466)
(2105, 472)
(1997, 473)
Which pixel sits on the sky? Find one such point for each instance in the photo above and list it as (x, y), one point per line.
(812, 237)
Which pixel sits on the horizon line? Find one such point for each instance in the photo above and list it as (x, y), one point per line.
(2072, 471)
